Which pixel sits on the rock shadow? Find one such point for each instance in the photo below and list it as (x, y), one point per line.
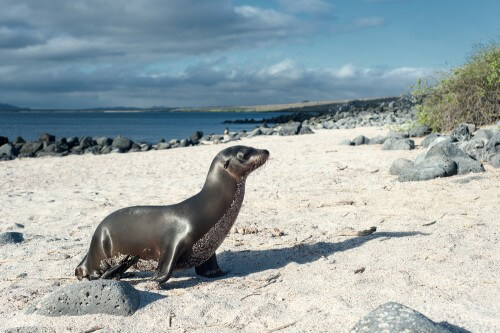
(242, 263)
(148, 297)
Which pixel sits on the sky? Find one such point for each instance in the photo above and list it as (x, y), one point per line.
(143, 53)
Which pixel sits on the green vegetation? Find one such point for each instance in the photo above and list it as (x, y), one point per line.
(468, 94)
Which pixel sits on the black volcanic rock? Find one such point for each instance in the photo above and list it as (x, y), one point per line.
(30, 148)
(45, 137)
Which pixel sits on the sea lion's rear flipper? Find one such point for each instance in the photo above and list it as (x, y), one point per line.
(116, 272)
(210, 268)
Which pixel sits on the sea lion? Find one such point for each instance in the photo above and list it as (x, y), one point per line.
(180, 236)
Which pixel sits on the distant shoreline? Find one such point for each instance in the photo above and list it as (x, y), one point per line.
(305, 106)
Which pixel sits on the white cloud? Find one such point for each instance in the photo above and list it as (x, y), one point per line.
(215, 82)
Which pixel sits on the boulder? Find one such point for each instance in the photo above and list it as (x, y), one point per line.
(428, 139)
(46, 137)
(398, 165)
(30, 148)
(86, 142)
(493, 145)
(290, 128)
(196, 136)
(121, 143)
(397, 135)
(463, 132)
(378, 140)
(360, 140)
(305, 129)
(398, 144)
(430, 168)
(73, 141)
(483, 134)
(3, 140)
(104, 141)
(464, 162)
(8, 150)
(19, 140)
(440, 140)
(395, 317)
(255, 132)
(91, 297)
(494, 160)
(419, 131)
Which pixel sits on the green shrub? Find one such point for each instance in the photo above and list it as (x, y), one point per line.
(468, 94)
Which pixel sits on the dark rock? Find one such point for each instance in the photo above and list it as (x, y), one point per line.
(464, 162)
(330, 124)
(77, 150)
(360, 140)
(8, 150)
(87, 142)
(3, 140)
(45, 137)
(73, 141)
(378, 140)
(474, 148)
(255, 132)
(106, 150)
(196, 136)
(30, 148)
(430, 168)
(494, 160)
(483, 134)
(305, 129)
(440, 141)
(397, 135)
(121, 143)
(463, 132)
(266, 131)
(493, 145)
(18, 140)
(291, 128)
(398, 165)
(163, 145)
(395, 317)
(99, 296)
(11, 237)
(145, 146)
(104, 141)
(419, 131)
(428, 139)
(398, 144)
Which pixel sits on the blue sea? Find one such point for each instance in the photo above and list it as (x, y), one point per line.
(138, 126)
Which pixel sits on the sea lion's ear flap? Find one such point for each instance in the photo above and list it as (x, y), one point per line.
(226, 164)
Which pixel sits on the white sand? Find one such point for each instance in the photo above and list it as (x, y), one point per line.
(312, 189)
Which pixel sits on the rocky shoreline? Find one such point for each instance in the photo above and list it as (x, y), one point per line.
(462, 151)
(380, 112)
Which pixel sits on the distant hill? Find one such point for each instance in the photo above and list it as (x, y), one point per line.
(8, 107)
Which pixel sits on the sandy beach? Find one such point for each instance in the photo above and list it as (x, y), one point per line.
(436, 248)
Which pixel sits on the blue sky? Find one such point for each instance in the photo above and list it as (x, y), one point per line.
(76, 54)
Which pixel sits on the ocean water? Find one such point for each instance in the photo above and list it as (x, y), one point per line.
(138, 126)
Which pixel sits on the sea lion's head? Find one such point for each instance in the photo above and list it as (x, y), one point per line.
(240, 161)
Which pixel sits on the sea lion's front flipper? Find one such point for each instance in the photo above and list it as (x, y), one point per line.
(167, 262)
(116, 272)
(210, 268)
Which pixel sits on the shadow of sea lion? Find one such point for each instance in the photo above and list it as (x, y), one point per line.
(246, 262)
(242, 263)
